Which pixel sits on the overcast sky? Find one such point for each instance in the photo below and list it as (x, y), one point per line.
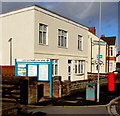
(86, 13)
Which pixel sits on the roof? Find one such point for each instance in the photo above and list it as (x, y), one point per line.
(109, 40)
(42, 9)
(117, 55)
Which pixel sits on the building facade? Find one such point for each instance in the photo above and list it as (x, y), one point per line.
(110, 53)
(38, 33)
(93, 54)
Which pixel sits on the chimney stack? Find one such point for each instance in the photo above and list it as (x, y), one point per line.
(92, 30)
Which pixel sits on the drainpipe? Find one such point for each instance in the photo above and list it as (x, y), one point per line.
(10, 40)
(108, 56)
(106, 66)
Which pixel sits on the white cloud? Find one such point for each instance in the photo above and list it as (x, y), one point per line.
(86, 13)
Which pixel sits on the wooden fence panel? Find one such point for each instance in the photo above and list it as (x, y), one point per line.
(11, 88)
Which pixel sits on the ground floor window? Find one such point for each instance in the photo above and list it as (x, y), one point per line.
(54, 67)
(110, 67)
(79, 66)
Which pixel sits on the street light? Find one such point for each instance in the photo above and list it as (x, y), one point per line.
(98, 79)
(10, 40)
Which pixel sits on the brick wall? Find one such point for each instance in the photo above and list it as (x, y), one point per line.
(7, 70)
(57, 86)
(29, 86)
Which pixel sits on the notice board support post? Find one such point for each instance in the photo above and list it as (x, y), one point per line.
(50, 78)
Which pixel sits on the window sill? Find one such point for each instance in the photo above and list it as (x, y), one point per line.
(62, 47)
(80, 74)
(43, 44)
(80, 50)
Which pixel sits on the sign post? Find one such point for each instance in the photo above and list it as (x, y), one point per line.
(98, 79)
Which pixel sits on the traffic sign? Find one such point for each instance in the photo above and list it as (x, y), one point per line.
(99, 42)
(98, 62)
(99, 56)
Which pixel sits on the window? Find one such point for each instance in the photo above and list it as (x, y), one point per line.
(79, 67)
(111, 51)
(42, 34)
(62, 38)
(54, 67)
(80, 42)
(110, 66)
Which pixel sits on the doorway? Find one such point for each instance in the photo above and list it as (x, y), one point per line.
(69, 69)
(40, 91)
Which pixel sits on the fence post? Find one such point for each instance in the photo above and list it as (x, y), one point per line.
(67, 84)
(57, 86)
(32, 90)
(28, 91)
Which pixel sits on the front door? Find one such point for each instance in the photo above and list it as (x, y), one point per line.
(69, 69)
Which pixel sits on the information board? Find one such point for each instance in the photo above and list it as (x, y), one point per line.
(32, 70)
(43, 73)
(21, 70)
(41, 68)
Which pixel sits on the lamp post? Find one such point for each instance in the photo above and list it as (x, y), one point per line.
(98, 79)
(10, 40)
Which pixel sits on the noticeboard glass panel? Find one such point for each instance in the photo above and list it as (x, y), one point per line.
(43, 72)
(32, 70)
(22, 70)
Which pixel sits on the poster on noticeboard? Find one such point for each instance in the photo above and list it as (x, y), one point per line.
(32, 70)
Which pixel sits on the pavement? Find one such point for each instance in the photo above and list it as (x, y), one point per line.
(114, 107)
(67, 110)
(110, 109)
(118, 107)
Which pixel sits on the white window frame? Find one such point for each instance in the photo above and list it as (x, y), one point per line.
(54, 63)
(79, 66)
(80, 42)
(62, 38)
(43, 31)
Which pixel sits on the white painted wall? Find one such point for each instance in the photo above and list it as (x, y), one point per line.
(19, 27)
(63, 54)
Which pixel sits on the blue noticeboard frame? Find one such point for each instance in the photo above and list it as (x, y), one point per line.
(21, 66)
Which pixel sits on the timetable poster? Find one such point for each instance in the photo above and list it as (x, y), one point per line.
(32, 70)
(43, 72)
(22, 70)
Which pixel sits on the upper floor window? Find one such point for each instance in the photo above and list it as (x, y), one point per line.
(42, 34)
(62, 38)
(111, 51)
(79, 67)
(80, 42)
